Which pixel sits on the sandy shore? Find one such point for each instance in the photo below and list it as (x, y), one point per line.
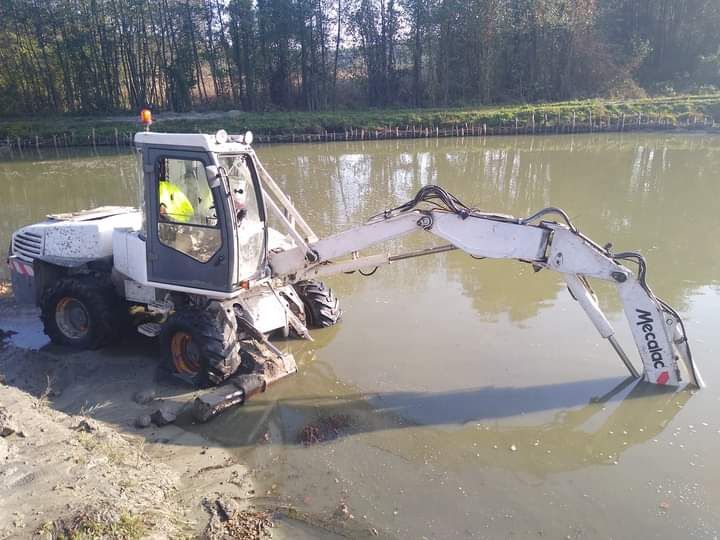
(72, 459)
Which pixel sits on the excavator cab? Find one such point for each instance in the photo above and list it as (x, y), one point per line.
(204, 213)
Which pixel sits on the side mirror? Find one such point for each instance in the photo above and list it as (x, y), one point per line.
(213, 175)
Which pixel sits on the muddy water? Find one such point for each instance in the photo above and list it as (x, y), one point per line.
(466, 398)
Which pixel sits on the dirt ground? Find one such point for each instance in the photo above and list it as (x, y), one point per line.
(74, 463)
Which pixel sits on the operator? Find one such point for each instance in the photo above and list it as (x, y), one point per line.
(174, 204)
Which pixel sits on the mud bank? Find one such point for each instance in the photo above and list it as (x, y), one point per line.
(74, 461)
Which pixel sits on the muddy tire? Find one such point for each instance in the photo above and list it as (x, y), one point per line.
(83, 312)
(322, 308)
(200, 346)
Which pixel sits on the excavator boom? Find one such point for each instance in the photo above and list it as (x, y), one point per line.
(657, 329)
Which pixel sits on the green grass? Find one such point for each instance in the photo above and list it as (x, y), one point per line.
(92, 526)
(674, 109)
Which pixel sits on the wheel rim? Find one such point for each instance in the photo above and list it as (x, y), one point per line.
(72, 318)
(185, 354)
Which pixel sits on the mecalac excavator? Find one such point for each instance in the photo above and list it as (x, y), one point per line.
(198, 266)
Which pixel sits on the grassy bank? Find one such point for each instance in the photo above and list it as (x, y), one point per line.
(581, 115)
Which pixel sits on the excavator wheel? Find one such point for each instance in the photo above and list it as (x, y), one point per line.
(199, 347)
(83, 311)
(322, 308)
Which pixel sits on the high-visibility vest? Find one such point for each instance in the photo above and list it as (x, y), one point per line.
(177, 206)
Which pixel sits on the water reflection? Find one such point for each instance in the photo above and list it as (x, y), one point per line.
(653, 193)
(597, 433)
(578, 422)
(591, 422)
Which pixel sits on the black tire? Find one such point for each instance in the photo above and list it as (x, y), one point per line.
(322, 308)
(200, 346)
(83, 312)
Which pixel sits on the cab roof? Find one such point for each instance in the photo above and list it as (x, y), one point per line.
(198, 141)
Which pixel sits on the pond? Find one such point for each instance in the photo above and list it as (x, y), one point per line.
(473, 398)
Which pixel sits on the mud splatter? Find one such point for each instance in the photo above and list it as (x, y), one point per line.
(228, 521)
(324, 429)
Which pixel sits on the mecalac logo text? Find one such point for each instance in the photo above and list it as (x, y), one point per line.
(646, 324)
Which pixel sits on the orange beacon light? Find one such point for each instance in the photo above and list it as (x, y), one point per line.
(146, 118)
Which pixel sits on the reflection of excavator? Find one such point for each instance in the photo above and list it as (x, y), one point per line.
(215, 299)
(481, 425)
(597, 433)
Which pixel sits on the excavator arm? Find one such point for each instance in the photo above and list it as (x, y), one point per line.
(657, 329)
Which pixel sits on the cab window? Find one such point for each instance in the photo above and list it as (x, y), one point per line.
(250, 226)
(187, 220)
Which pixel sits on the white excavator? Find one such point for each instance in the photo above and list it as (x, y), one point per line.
(198, 265)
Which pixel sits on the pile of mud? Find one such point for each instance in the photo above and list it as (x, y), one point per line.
(324, 429)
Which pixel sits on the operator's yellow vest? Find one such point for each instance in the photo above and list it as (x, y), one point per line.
(177, 205)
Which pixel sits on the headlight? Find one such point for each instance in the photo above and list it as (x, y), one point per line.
(221, 137)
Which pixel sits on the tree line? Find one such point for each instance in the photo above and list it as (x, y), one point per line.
(99, 56)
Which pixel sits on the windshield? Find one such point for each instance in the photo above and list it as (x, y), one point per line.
(251, 229)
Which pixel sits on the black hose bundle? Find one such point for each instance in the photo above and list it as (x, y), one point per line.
(444, 201)
(434, 195)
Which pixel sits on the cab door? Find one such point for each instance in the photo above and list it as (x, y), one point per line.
(187, 238)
